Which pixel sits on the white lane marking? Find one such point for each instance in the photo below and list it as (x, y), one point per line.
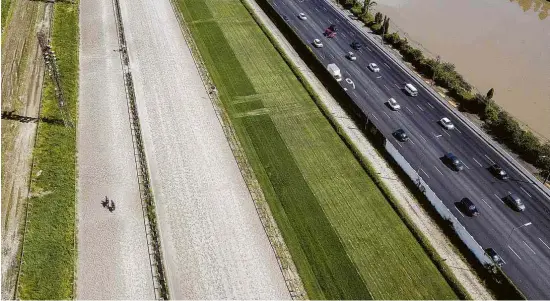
(487, 203)
(386, 87)
(458, 130)
(274, 4)
(514, 252)
(331, 55)
(525, 191)
(387, 65)
(429, 105)
(409, 110)
(447, 133)
(437, 136)
(329, 22)
(396, 85)
(489, 159)
(354, 94)
(477, 162)
(438, 170)
(459, 212)
(465, 165)
(387, 115)
(361, 51)
(423, 138)
(316, 9)
(544, 243)
(420, 108)
(529, 247)
(322, 56)
(324, 8)
(374, 116)
(398, 143)
(412, 142)
(379, 76)
(425, 173)
(498, 198)
(343, 35)
(369, 49)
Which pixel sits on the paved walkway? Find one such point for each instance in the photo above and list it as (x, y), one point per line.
(214, 244)
(113, 260)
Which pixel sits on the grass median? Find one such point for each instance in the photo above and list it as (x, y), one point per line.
(346, 240)
(48, 266)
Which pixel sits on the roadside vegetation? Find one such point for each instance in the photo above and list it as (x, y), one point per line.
(499, 123)
(48, 262)
(345, 238)
(5, 11)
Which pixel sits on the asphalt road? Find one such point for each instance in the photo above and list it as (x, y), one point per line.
(525, 250)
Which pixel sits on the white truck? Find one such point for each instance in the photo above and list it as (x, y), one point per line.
(334, 71)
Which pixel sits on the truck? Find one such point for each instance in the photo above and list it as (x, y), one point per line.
(334, 71)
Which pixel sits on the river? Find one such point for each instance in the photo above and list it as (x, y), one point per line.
(500, 44)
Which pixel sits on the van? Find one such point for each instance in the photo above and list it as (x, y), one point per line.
(411, 90)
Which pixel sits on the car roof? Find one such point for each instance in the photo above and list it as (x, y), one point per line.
(445, 119)
(410, 86)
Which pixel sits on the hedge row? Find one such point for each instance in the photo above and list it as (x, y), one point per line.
(499, 123)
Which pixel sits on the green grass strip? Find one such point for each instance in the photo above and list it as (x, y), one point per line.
(48, 267)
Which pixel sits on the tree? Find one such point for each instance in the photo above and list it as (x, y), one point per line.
(490, 94)
(378, 17)
(368, 4)
(386, 26)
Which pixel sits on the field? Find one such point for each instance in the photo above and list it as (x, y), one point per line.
(345, 238)
(47, 271)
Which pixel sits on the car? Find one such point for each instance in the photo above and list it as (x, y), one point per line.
(401, 135)
(317, 43)
(446, 123)
(285, 18)
(356, 45)
(329, 33)
(515, 202)
(332, 27)
(392, 103)
(469, 207)
(302, 16)
(351, 56)
(453, 161)
(497, 260)
(498, 172)
(373, 67)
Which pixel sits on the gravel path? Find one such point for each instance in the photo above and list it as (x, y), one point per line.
(418, 215)
(213, 242)
(113, 260)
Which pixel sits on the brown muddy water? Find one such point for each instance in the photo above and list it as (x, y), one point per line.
(500, 44)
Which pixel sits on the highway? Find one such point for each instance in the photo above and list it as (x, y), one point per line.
(524, 247)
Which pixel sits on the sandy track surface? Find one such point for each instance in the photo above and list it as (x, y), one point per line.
(22, 76)
(214, 244)
(113, 258)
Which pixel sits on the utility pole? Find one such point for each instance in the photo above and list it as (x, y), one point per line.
(515, 228)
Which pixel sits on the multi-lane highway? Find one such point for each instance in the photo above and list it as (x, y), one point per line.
(525, 249)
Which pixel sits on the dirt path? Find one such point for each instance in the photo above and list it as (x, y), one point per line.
(22, 75)
(418, 215)
(213, 241)
(113, 258)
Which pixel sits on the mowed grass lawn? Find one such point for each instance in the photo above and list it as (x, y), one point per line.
(345, 238)
(48, 267)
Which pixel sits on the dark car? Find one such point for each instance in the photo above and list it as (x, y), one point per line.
(453, 161)
(285, 18)
(469, 207)
(401, 135)
(356, 45)
(332, 27)
(497, 260)
(514, 201)
(498, 172)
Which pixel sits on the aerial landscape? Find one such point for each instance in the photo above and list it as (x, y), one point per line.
(275, 149)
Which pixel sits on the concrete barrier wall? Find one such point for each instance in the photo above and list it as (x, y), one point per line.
(439, 206)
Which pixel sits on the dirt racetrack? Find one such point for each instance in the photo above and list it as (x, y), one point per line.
(214, 244)
(113, 260)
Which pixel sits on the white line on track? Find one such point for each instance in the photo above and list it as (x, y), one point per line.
(409, 110)
(498, 198)
(525, 191)
(544, 243)
(419, 107)
(459, 212)
(529, 247)
(374, 116)
(514, 252)
(429, 105)
(477, 162)
(489, 159)
(387, 115)
(387, 65)
(425, 173)
(487, 203)
(458, 130)
(438, 170)
(465, 165)
(386, 87)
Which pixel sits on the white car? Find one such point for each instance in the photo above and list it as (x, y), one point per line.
(317, 43)
(302, 16)
(392, 103)
(351, 56)
(373, 67)
(446, 123)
